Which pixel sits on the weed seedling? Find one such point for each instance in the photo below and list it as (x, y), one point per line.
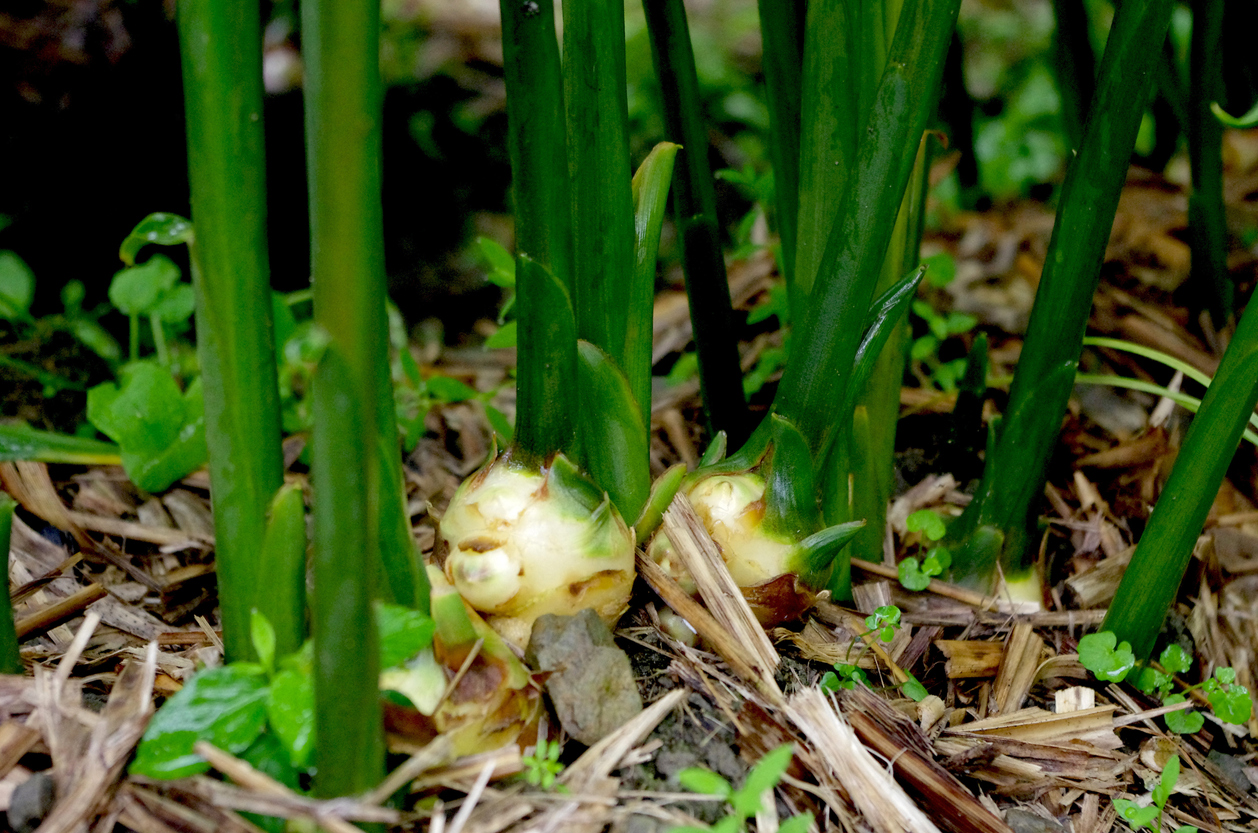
(756, 186)
(1231, 701)
(543, 767)
(1112, 661)
(749, 799)
(915, 573)
(884, 621)
(940, 327)
(1150, 816)
(913, 689)
(843, 677)
(238, 706)
(501, 273)
(772, 358)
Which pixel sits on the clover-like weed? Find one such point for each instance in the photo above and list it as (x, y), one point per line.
(1112, 661)
(915, 573)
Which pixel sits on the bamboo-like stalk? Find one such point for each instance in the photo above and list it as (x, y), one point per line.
(10, 658)
(694, 200)
(1015, 473)
(1075, 66)
(547, 369)
(843, 63)
(221, 50)
(782, 34)
(1152, 579)
(611, 298)
(535, 136)
(539, 188)
(602, 199)
(340, 41)
(1207, 218)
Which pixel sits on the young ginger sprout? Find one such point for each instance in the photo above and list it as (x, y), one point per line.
(769, 554)
(523, 541)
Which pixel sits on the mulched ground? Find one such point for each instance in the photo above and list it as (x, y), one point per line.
(114, 595)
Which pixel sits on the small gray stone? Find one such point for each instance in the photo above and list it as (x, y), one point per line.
(591, 684)
(1024, 821)
(645, 824)
(32, 799)
(1232, 769)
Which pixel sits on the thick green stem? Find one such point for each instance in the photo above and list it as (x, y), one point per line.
(547, 371)
(1017, 470)
(539, 165)
(10, 658)
(598, 163)
(222, 71)
(535, 136)
(1152, 580)
(844, 55)
(1075, 66)
(694, 198)
(340, 41)
(1207, 218)
(781, 32)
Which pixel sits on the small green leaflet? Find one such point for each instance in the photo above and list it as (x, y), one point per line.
(927, 522)
(1108, 660)
(704, 781)
(404, 632)
(159, 229)
(763, 777)
(1186, 722)
(17, 287)
(161, 431)
(1230, 700)
(884, 621)
(153, 288)
(225, 706)
(913, 689)
(290, 707)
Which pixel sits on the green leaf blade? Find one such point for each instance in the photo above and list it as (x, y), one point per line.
(613, 438)
(225, 706)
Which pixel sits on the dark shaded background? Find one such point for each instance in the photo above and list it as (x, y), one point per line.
(91, 125)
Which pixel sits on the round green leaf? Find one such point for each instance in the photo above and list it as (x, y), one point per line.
(1175, 659)
(1185, 722)
(17, 287)
(928, 522)
(1108, 661)
(176, 304)
(911, 575)
(137, 289)
(1232, 704)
